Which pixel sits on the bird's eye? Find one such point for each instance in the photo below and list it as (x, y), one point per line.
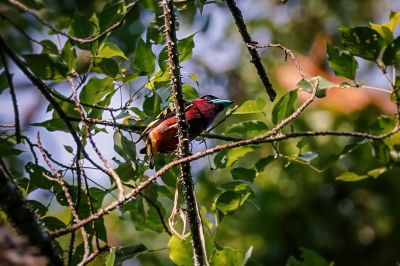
(209, 97)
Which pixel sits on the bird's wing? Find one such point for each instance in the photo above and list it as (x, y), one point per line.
(166, 113)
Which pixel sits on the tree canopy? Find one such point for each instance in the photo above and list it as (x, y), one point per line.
(301, 170)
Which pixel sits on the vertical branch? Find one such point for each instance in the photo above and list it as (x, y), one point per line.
(255, 58)
(196, 228)
(13, 97)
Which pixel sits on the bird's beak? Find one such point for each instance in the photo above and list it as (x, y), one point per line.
(222, 102)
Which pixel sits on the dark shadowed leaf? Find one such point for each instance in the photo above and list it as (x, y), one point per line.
(46, 67)
(391, 56)
(342, 62)
(243, 174)
(362, 41)
(52, 223)
(309, 258)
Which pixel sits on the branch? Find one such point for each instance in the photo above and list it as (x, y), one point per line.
(281, 137)
(42, 87)
(255, 58)
(59, 179)
(31, 12)
(194, 219)
(13, 97)
(107, 165)
(24, 219)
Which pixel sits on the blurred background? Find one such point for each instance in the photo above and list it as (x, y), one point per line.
(294, 205)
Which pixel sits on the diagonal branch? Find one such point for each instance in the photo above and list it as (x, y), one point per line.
(45, 90)
(31, 12)
(255, 58)
(13, 97)
(194, 219)
(238, 143)
(13, 203)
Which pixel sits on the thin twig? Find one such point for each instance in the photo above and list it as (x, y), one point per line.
(13, 97)
(106, 164)
(255, 58)
(42, 87)
(31, 12)
(59, 179)
(285, 50)
(281, 137)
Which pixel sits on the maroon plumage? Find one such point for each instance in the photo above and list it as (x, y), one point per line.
(162, 134)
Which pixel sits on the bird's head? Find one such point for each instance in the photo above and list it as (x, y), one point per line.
(217, 103)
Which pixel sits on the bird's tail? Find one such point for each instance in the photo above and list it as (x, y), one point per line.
(148, 150)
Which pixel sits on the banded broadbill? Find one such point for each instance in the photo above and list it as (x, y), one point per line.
(161, 135)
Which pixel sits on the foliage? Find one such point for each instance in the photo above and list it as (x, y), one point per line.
(122, 78)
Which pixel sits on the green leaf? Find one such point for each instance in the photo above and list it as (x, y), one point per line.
(68, 55)
(158, 80)
(151, 105)
(185, 51)
(310, 258)
(384, 31)
(7, 148)
(235, 195)
(54, 124)
(180, 251)
(227, 256)
(342, 62)
(46, 67)
(189, 93)
(112, 13)
(82, 27)
(52, 223)
(284, 107)
(323, 85)
(49, 47)
(377, 172)
(243, 174)
(96, 89)
(362, 41)
(107, 66)
(144, 214)
(124, 147)
(350, 177)
(109, 49)
(69, 149)
(185, 48)
(143, 58)
(3, 81)
(39, 208)
(262, 163)
(251, 128)
(154, 33)
(227, 158)
(391, 56)
(251, 107)
(129, 252)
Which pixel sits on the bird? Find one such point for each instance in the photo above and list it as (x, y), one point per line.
(161, 135)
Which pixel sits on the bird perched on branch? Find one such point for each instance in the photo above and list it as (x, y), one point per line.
(162, 134)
